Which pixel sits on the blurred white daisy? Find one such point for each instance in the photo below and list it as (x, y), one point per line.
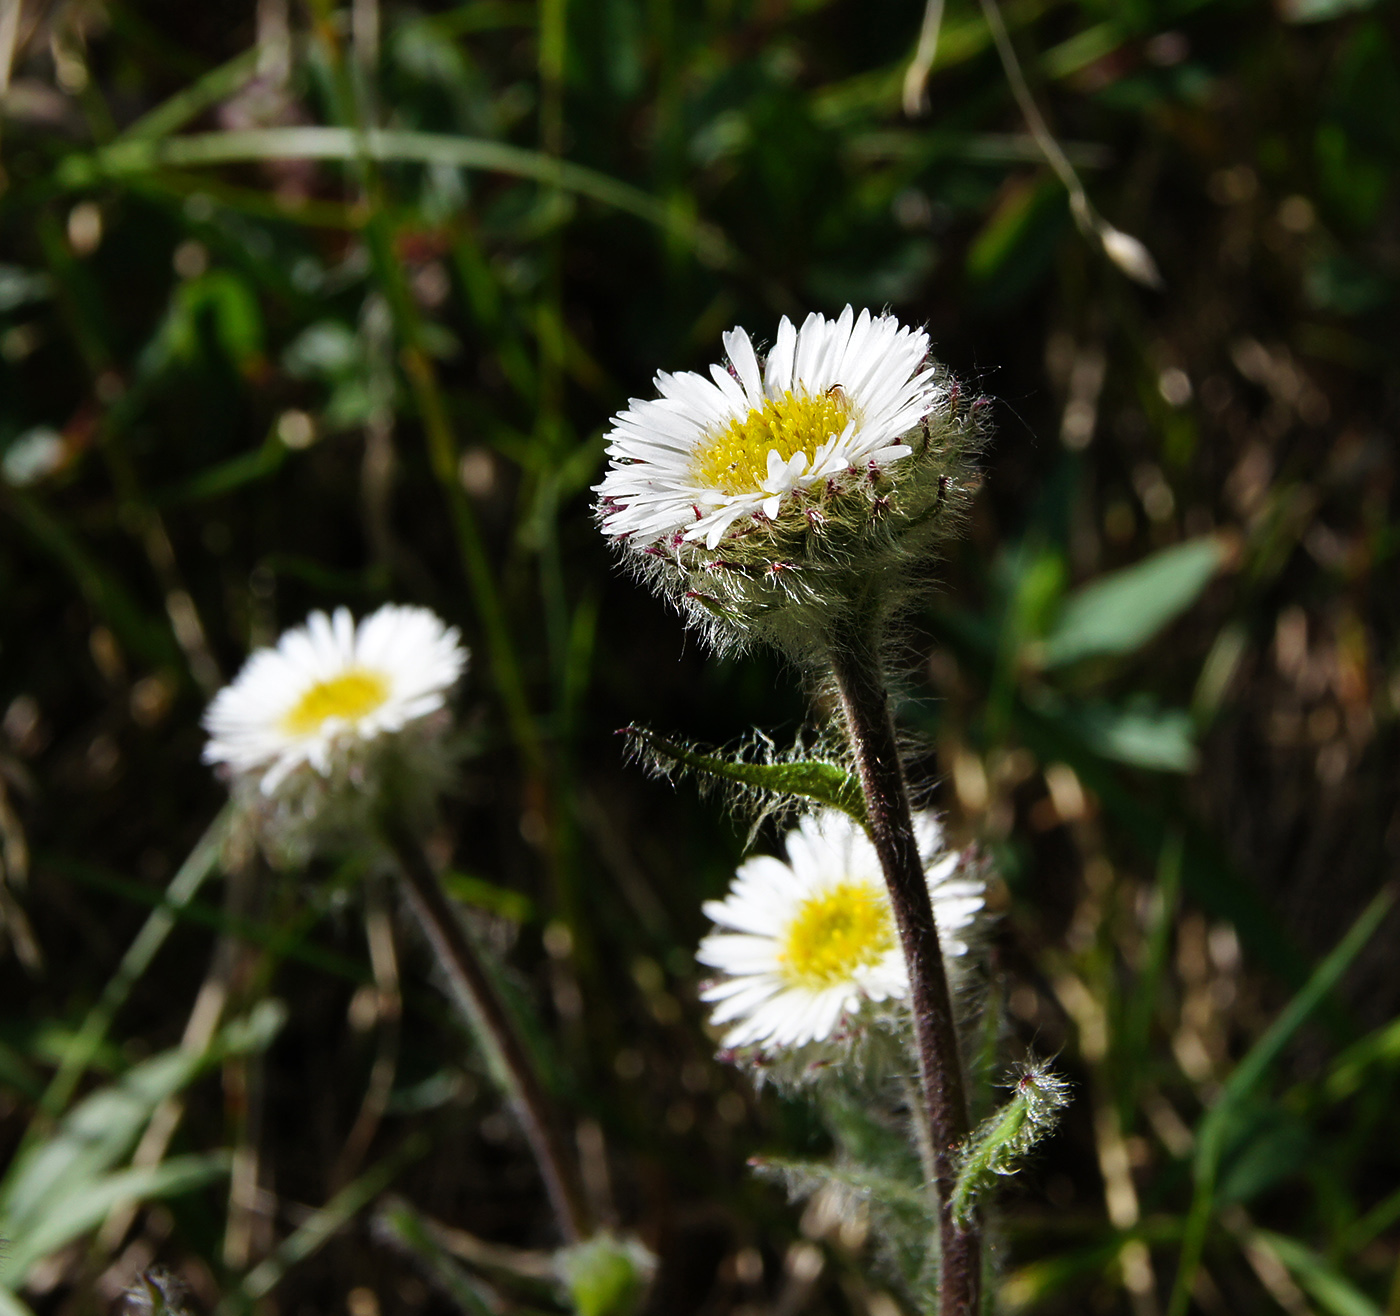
(832, 398)
(331, 687)
(804, 944)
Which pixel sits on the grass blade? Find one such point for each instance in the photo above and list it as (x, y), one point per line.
(192, 874)
(391, 146)
(1332, 1291)
(1248, 1075)
(315, 1232)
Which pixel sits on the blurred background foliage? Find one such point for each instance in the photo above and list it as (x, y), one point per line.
(314, 305)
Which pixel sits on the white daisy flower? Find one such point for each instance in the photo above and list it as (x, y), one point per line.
(330, 688)
(805, 944)
(773, 480)
(832, 396)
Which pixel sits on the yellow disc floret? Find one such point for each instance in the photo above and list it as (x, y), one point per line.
(735, 461)
(350, 695)
(842, 929)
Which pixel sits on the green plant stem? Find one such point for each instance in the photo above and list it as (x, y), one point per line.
(859, 674)
(505, 1053)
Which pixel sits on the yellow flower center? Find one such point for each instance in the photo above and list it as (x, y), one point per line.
(735, 460)
(845, 928)
(350, 695)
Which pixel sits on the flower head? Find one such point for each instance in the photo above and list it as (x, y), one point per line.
(758, 497)
(806, 944)
(308, 728)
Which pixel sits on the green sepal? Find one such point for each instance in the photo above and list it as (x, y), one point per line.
(812, 779)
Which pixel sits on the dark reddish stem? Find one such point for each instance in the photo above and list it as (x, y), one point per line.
(856, 664)
(505, 1054)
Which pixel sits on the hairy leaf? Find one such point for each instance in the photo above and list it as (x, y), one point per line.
(812, 779)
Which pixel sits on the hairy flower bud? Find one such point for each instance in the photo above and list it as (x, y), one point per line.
(766, 500)
(1000, 1145)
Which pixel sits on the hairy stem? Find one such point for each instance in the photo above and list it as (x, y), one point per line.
(855, 662)
(505, 1054)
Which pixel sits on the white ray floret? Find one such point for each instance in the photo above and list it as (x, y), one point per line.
(330, 687)
(832, 397)
(803, 944)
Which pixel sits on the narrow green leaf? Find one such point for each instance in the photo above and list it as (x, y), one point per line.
(387, 146)
(206, 916)
(105, 593)
(1381, 1047)
(406, 1229)
(1122, 611)
(811, 779)
(481, 894)
(184, 886)
(93, 1137)
(313, 1234)
(1162, 739)
(999, 1145)
(1241, 1085)
(104, 1126)
(1250, 1072)
(73, 1214)
(215, 86)
(1332, 1291)
(605, 1275)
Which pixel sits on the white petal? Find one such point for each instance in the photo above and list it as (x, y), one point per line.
(741, 356)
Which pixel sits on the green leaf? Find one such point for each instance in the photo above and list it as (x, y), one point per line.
(1017, 242)
(1274, 1145)
(1161, 739)
(810, 779)
(405, 1228)
(1329, 1289)
(104, 1126)
(217, 85)
(1349, 1070)
(92, 1138)
(124, 158)
(315, 1231)
(1246, 1078)
(481, 894)
(1121, 612)
(72, 1214)
(999, 1145)
(1250, 1072)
